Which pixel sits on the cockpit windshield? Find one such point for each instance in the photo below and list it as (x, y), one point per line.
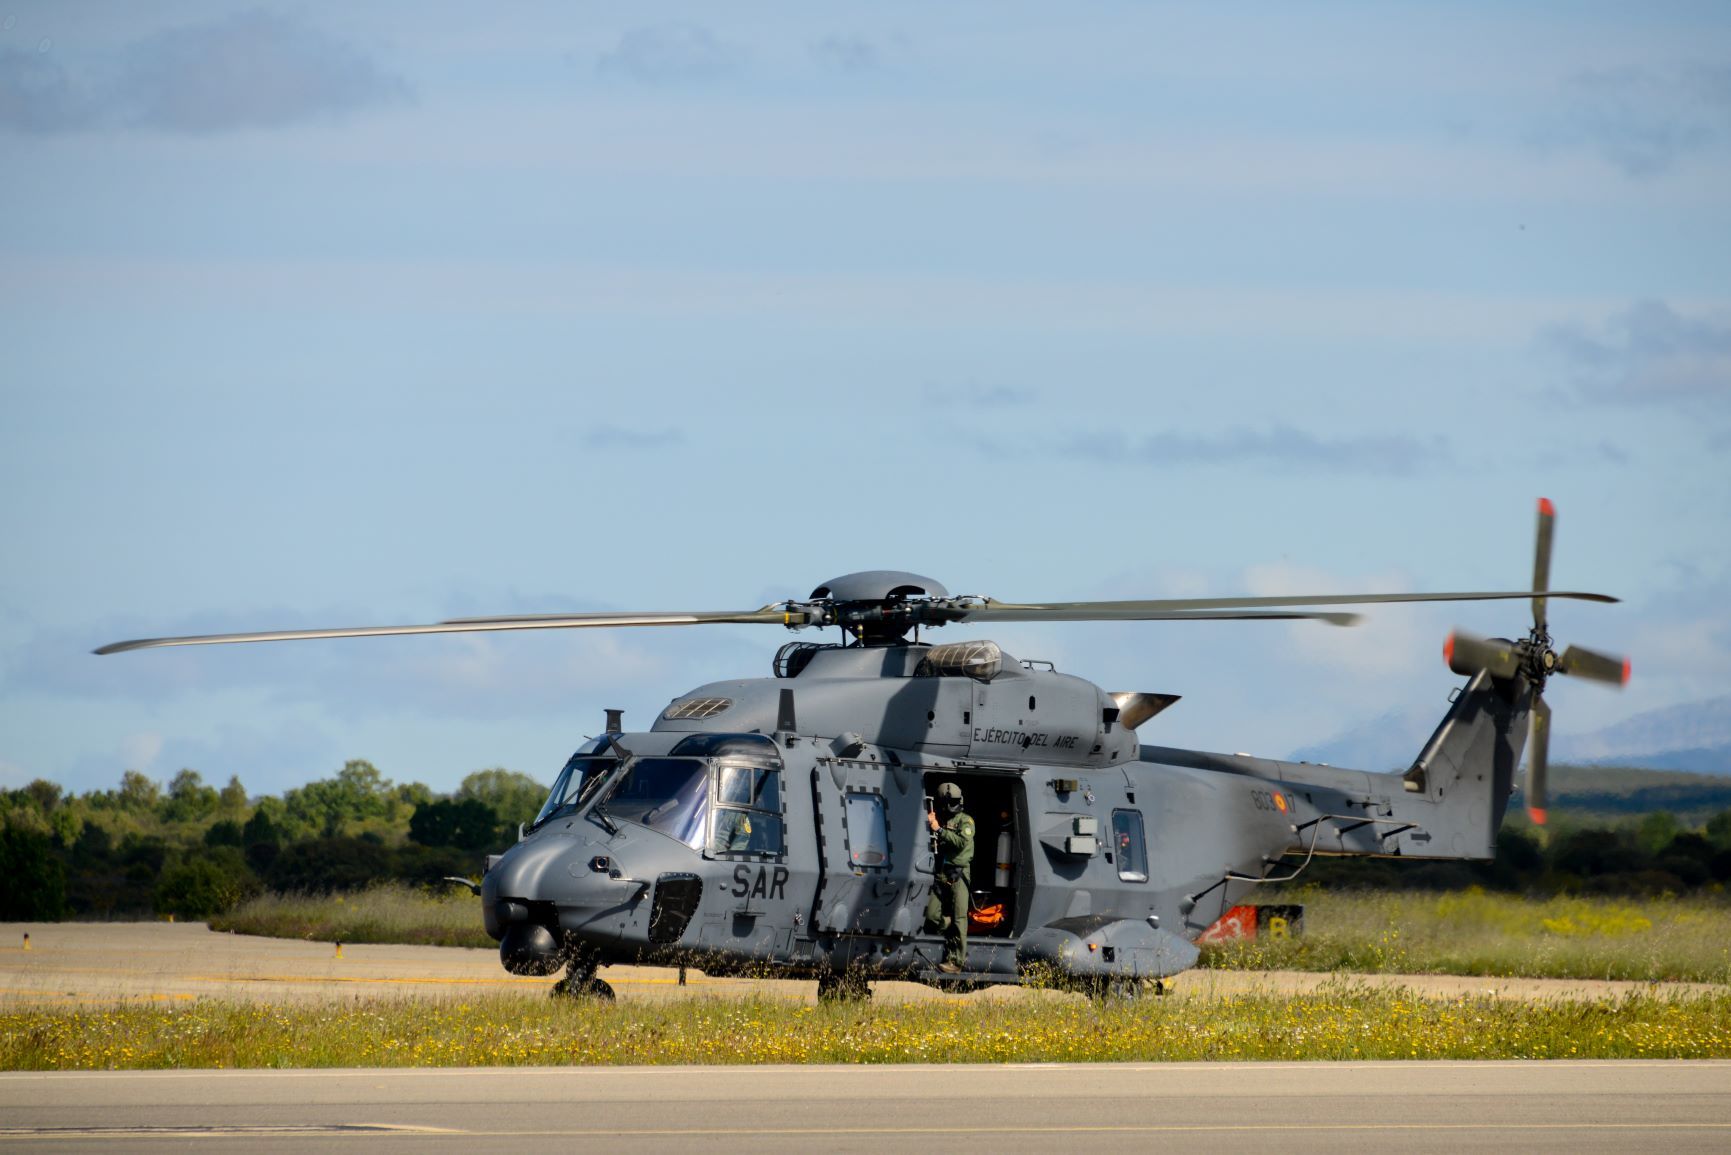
(666, 794)
(575, 785)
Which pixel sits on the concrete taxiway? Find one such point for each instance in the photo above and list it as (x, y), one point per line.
(71, 964)
(1293, 1108)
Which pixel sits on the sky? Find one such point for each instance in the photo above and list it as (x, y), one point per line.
(328, 314)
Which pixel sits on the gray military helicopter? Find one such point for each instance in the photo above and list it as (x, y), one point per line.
(778, 825)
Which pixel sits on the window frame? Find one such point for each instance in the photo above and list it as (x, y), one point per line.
(1139, 828)
(716, 769)
(877, 799)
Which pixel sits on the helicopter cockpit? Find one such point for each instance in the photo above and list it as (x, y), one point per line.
(716, 793)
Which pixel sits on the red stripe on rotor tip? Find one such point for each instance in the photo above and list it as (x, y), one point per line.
(1546, 508)
(1626, 669)
(1537, 815)
(1449, 650)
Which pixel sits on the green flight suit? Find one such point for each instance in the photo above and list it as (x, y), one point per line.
(732, 832)
(948, 906)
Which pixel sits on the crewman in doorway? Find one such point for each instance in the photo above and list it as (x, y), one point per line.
(948, 907)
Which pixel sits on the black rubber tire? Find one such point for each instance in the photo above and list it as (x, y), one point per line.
(572, 987)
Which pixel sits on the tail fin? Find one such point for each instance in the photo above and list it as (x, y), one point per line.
(1467, 769)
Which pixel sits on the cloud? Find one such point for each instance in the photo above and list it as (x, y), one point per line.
(856, 54)
(1647, 354)
(618, 437)
(37, 96)
(1643, 121)
(670, 54)
(268, 757)
(1278, 447)
(14, 776)
(253, 69)
(974, 394)
(140, 751)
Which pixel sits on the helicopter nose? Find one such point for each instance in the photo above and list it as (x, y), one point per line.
(521, 877)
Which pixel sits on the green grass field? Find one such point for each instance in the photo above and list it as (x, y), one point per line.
(1342, 1021)
(386, 912)
(1461, 933)
(1474, 933)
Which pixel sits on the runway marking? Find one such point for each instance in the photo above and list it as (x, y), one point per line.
(401, 980)
(857, 1071)
(408, 980)
(386, 1129)
(37, 992)
(1103, 1128)
(220, 1131)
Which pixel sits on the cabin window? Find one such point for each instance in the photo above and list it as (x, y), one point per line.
(1132, 849)
(747, 811)
(868, 834)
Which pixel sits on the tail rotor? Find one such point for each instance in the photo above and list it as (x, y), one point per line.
(1533, 658)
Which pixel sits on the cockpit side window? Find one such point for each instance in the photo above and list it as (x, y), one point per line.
(748, 817)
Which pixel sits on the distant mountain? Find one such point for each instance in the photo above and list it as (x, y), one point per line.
(1389, 742)
(1694, 737)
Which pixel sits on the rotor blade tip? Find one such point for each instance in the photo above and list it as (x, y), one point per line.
(1537, 814)
(1449, 650)
(1627, 667)
(1546, 508)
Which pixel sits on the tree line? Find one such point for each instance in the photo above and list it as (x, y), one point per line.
(1656, 853)
(193, 850)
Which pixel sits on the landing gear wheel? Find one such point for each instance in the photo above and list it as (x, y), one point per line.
(843, 988)
(582, 986)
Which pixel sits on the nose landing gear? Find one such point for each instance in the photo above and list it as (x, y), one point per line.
(580, 981)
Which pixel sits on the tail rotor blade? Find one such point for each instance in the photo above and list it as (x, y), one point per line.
(1579, 662)
(1467, 654)
(1538, 758)
(1542, 559)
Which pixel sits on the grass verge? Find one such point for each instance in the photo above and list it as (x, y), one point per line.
(1462, 933)
(1340, 1022)
(1474, 933)
(387, 912)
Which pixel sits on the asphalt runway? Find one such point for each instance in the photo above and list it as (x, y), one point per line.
(93, 963)
(1552, 1106)
(1291, 1108)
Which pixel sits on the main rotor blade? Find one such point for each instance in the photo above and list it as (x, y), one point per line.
(1538, 759)
(1133, 612)
(1542, 559)
(993, 610)
(554, 622)
(1580, 662)
(772, 615)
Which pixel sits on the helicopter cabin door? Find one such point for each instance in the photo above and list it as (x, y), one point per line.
(874, 846)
